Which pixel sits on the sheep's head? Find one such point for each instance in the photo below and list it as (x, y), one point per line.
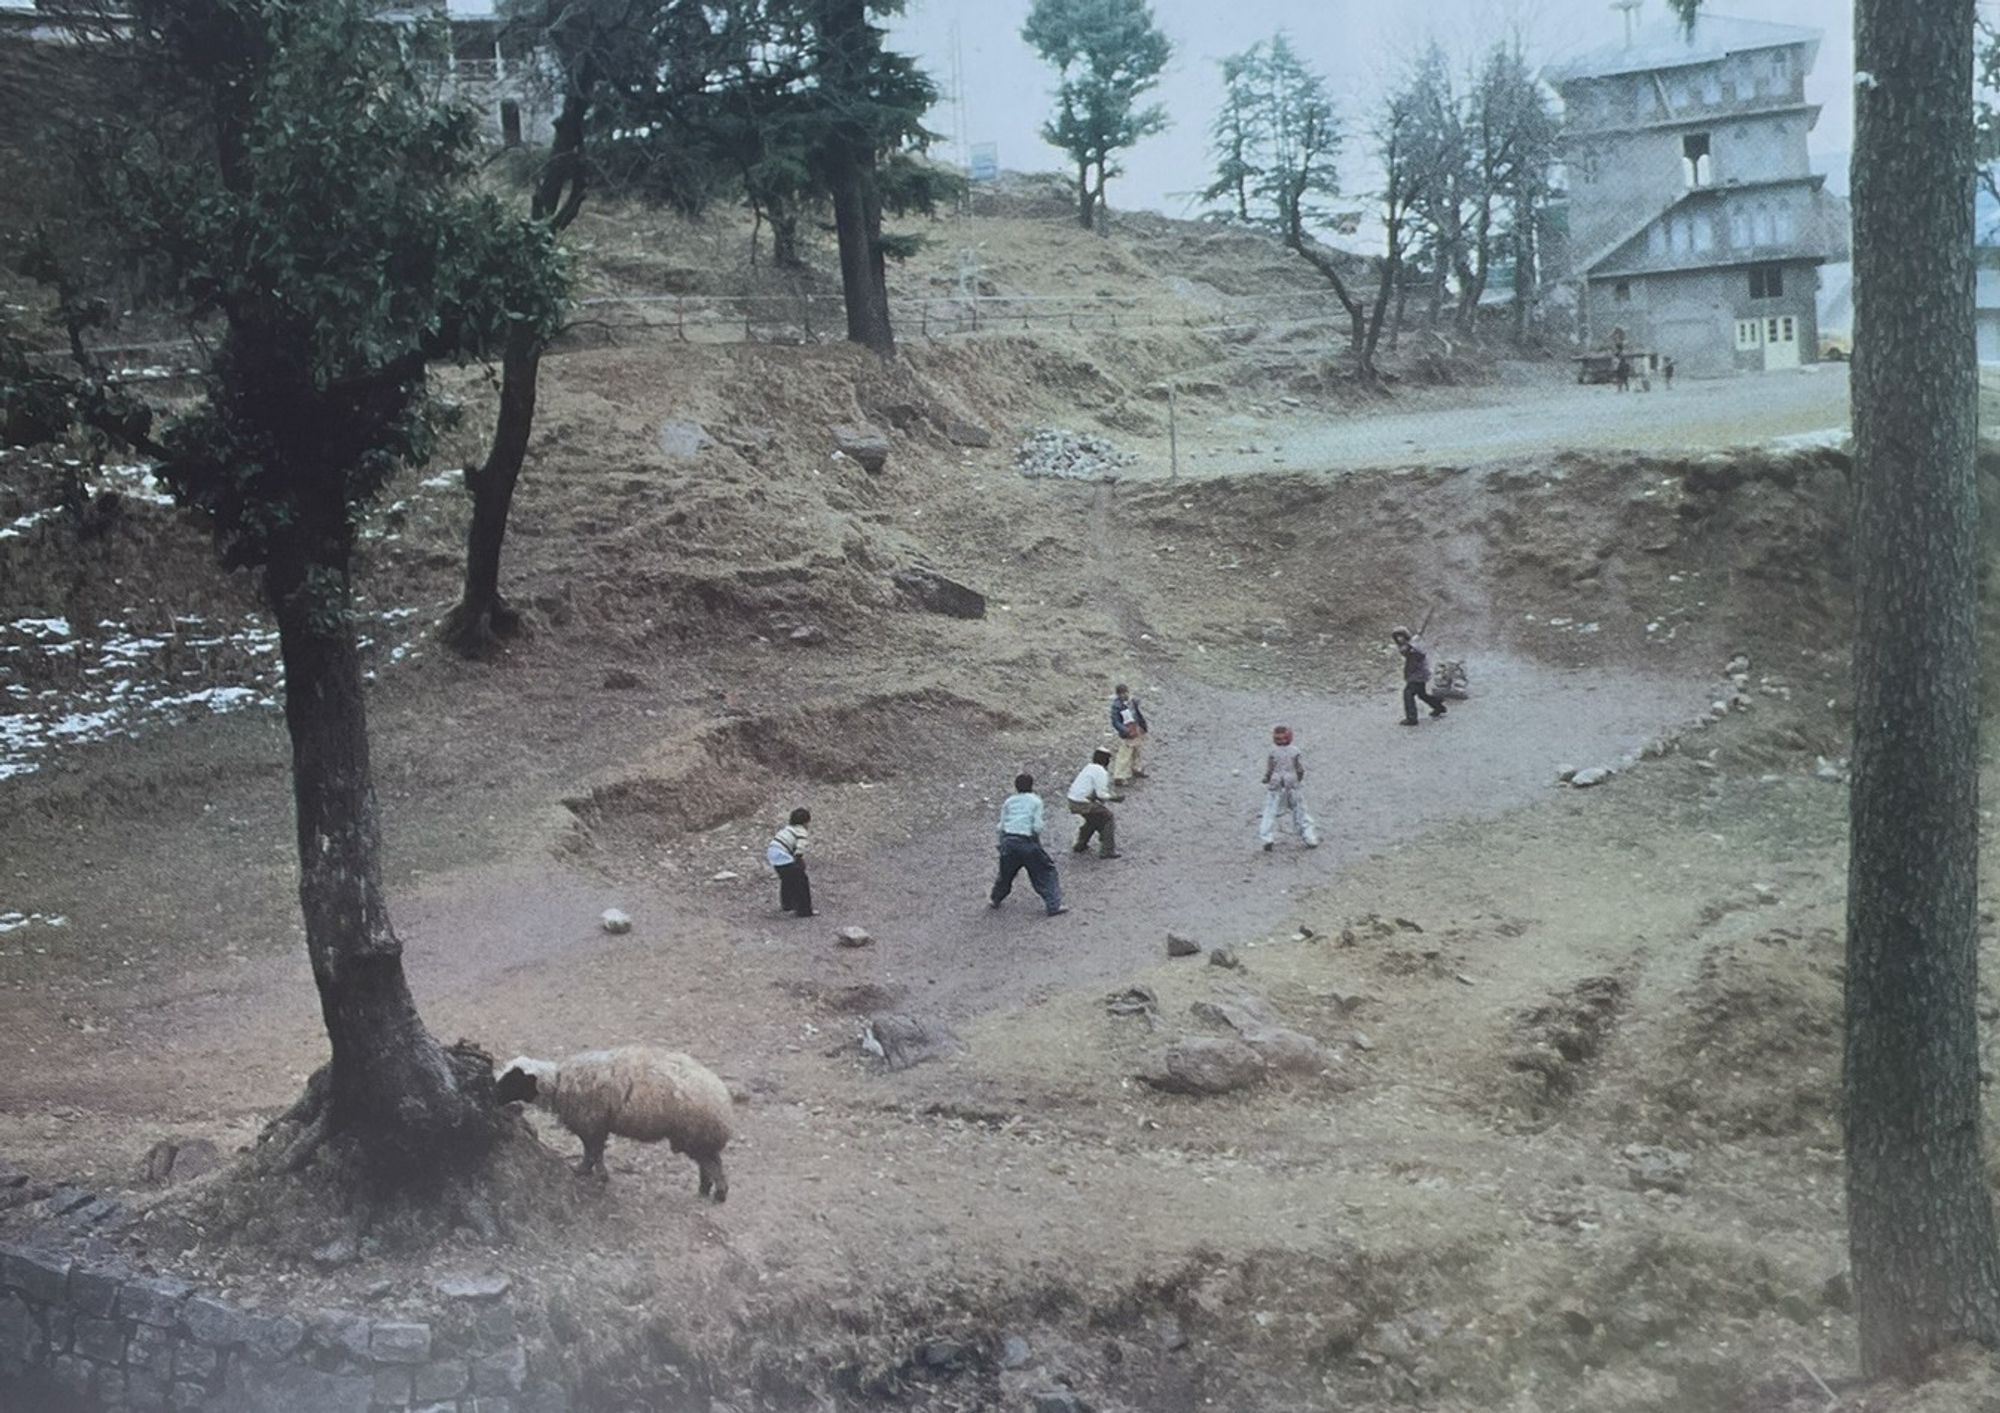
(525, 1080)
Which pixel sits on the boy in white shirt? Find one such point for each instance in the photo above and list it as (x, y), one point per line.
(786, 853)
(1090, 799)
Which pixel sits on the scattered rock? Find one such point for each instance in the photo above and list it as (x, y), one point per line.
(341, 1251)
(962, 433)
(1287, 1050)
(1362, 1042)
(1205, 1065)
(941, 1355)
(1014, 1352)
(806, 635)
(1132, 1001)
(900, 413)
(1593, 775)
(1058, 1401)
(1224, 957)
(939, 594)
(177, 1160)
(683, 441)
(1656, 1169)
(621, 679)
(490, 1286)
(1179, 945)
(1825, 769)
(1073, 456)
(901, 1041)
(1739, 666)
(864, 444)
(854, 937)
(1240, 1013)
(723, 875)
(1838, 1292)
(614, 922)
(1578, 1324)
(1565, 773)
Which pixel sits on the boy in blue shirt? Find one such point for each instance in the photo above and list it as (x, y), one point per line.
(1021, 847)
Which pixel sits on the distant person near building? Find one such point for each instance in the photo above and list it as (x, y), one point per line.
(1090, 799)
(786, 853)
(1128, 723)
(1021, 848)
(1416, 676)
(1284, 788)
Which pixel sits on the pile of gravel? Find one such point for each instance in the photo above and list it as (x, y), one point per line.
(1075, 456)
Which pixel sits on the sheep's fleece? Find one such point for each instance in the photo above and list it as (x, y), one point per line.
(636, 1091)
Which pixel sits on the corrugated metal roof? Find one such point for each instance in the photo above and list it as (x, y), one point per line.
(1666, 45)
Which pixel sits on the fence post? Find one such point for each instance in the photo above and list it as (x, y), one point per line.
(1173, 432)
(680, 319)
(806, 317)
(975, 313)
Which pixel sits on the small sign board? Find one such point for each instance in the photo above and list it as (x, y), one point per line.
(985, 162)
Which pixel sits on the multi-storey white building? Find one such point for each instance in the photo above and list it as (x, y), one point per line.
(1696, 223)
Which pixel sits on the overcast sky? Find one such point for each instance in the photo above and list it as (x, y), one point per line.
(1360, 45)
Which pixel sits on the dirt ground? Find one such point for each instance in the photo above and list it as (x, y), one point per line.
(1523, 990)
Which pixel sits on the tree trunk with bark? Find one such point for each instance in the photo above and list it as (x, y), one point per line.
(389, 1086)
(1086, 204)
(784, 221)
(1920, 1218)
(483, 618)
(848, 164)
(850, 179)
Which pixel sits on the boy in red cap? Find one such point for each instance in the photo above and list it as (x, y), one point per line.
(1284, 782)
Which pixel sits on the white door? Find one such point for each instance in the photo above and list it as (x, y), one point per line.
(1781, 341)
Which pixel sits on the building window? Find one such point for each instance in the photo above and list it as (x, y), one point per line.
(1739, 225)
(1749, 333)
(1695, 163)
(510, 122)
(1767, 281)
(1622, 291)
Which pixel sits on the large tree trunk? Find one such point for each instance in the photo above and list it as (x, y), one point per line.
(482, 616)
(784, 220)
(1920, 1220)
(860, 257)
(390, 1087)
(1086, 204)
(849, 166)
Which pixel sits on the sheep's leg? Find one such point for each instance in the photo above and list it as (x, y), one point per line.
(593, 1155)
(714, 1182)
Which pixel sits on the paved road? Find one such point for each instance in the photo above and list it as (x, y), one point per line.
(1806, 405)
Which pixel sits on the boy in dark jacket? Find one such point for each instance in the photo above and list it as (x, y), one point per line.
(1416, 676)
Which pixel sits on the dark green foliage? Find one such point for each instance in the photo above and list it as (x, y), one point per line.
(294, 181)
(1109, 54)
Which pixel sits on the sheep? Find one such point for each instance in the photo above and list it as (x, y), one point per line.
(636, 1091)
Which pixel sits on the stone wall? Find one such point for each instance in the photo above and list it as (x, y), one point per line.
(78, 1333)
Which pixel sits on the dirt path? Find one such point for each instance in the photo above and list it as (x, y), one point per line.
(511, 953)
(1723, 412)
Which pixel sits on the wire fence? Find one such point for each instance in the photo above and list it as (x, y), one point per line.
(813, 318)
(808, 318)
